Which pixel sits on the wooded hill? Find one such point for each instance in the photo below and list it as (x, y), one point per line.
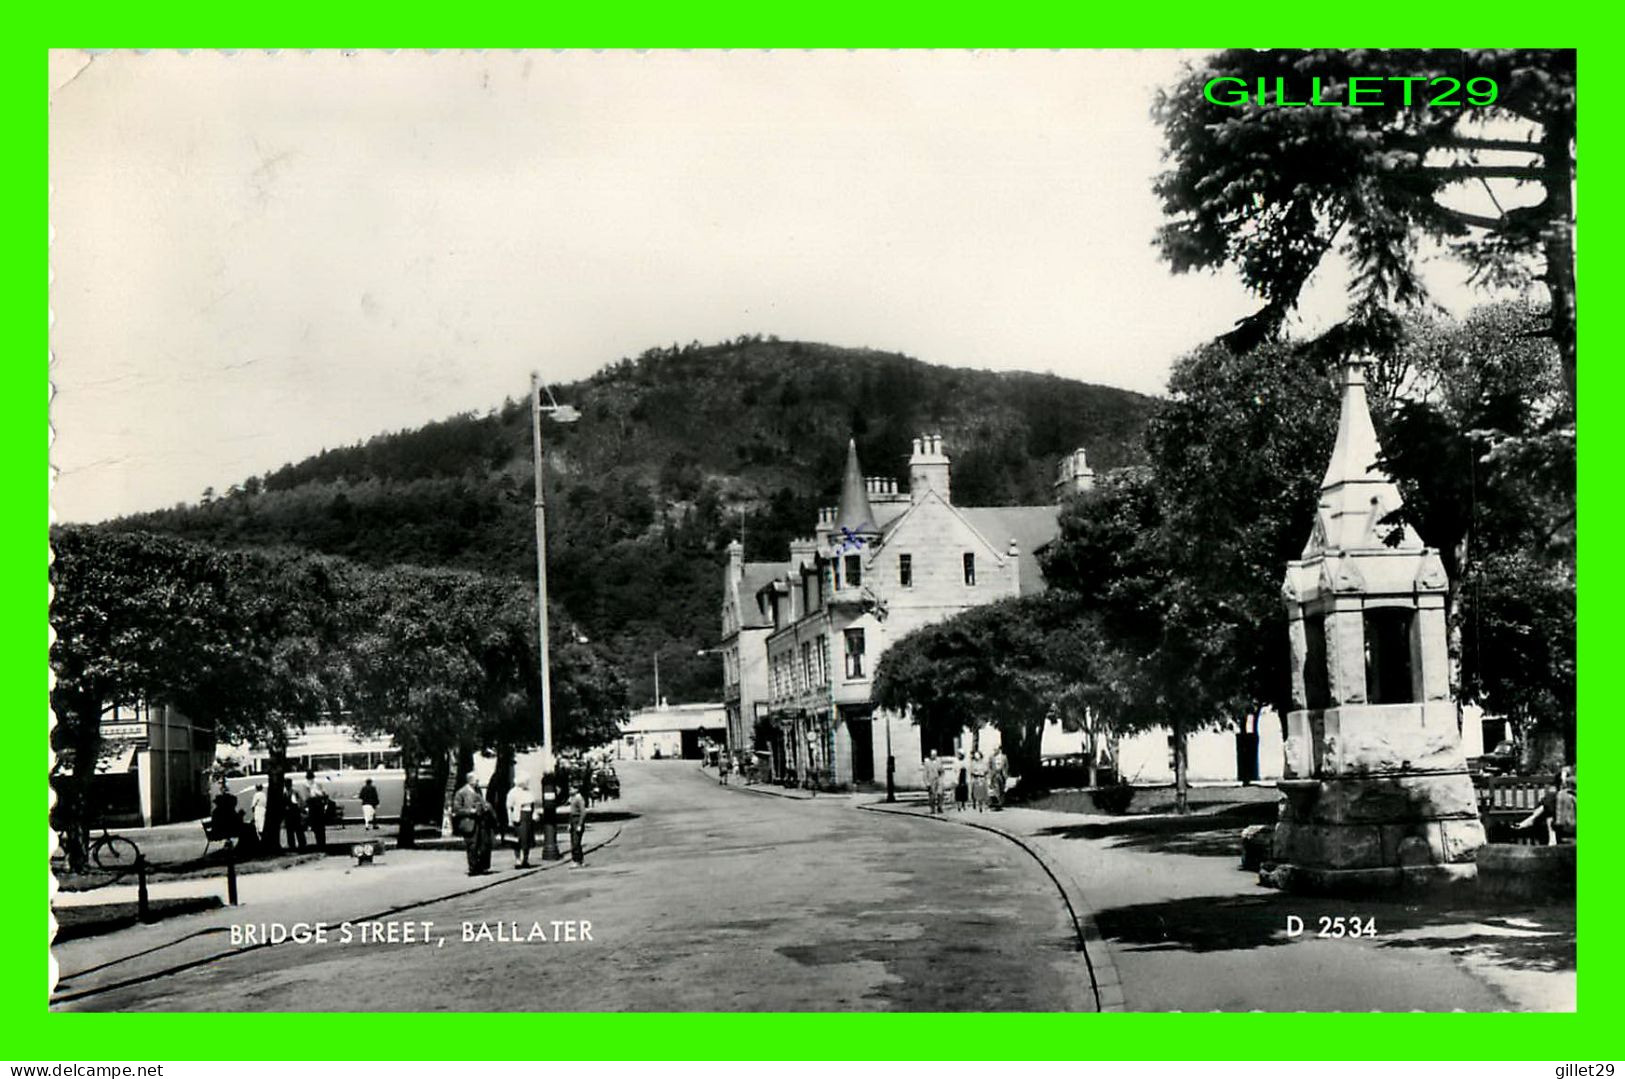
(675, 452)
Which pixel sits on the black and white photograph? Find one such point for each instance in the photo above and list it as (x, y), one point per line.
(813, 531)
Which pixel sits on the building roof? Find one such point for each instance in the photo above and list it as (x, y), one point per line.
(755, 577)
(1030, 526)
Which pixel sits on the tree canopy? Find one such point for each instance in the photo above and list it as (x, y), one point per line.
(260, 643)
(1004, 663)
(1270, 190)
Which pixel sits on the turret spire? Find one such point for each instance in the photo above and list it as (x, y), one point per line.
(854, 514)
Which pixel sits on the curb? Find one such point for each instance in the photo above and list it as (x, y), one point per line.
(1104, 979)
(778, 792)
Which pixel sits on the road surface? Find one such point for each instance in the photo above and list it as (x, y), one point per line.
(708, 899)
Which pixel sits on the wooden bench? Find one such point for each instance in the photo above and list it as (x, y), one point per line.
(1503, 801)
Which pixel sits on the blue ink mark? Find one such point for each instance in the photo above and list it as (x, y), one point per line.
(849, 542)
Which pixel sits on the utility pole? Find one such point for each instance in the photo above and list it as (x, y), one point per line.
(562, 414)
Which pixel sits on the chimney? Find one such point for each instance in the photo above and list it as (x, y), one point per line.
(826, 525)
(1073, 476)
(736, 560)
(928, 469)
(802, 552)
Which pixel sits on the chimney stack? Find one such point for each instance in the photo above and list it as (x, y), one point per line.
(928, 469)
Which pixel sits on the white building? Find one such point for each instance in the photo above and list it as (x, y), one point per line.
(671, 732)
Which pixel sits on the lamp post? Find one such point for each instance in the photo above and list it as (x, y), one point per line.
(728, 727)
(561, 414)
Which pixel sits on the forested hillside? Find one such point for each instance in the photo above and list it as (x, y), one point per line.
(675, 453)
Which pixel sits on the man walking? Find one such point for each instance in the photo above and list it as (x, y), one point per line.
(521, 806)
(578, 827)
(933, 782)
(369, 806)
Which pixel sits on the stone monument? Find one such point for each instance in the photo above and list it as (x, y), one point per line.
(1375, 792)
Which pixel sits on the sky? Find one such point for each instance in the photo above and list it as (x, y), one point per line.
(255, 257)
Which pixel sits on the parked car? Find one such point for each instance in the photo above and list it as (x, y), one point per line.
(1500, 761)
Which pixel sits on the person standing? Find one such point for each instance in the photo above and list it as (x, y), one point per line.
(978, 781)
(316, 808)
(1564, 821)
(259, 806)
(725, 766)
(998, 774)
(578, 828)
(933, 782)
(369, 805)
(226, 821)
(293, 815)
(471, 817)
(961, 786)
(521, 807)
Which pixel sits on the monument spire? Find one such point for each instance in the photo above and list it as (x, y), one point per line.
(1356, 494)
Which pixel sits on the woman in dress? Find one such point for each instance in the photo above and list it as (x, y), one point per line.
(978, 781)
(961, 787)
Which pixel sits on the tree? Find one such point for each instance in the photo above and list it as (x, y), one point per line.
(137, 618)
(1113, 556)
(1271, 189)
(1182, 560)
(1483, 452)
(288, 615)
(1003, 663)
(414, 671)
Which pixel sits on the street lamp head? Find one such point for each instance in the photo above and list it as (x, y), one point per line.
(563, 413)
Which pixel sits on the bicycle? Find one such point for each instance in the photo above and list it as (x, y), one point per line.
(114, 853)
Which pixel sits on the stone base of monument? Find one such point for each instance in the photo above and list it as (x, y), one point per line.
(1371, 833)
(1386, 880)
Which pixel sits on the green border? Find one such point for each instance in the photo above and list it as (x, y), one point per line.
(34, 1033)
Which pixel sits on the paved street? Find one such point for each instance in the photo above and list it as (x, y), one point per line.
(1178, 926)
(707, 899)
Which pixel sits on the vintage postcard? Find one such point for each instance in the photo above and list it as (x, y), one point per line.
(799, 531)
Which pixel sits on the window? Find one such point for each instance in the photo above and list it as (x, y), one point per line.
(806, 662)
(1316, 687)
(854, 570)
(854, 653)
(970, 568)
(1388, 664)
(823, 660)
(905, 570)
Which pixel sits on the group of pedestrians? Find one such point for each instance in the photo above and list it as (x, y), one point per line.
(976, 782)
(305, 807)
(474, 818)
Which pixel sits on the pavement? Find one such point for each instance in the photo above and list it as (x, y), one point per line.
(708, 899)
(1171, 923)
